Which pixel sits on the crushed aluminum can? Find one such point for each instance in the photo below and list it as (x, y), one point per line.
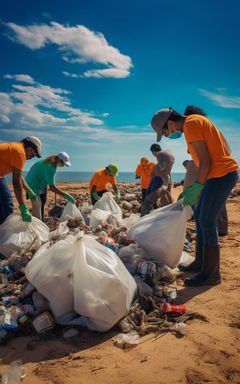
(43, 322)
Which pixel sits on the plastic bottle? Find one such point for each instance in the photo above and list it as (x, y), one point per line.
(10, 320)
(173, 308)
(15, 373)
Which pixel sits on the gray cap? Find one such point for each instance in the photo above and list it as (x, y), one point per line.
(159, 120)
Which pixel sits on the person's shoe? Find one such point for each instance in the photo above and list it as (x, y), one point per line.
(197, 264)
(210, 274)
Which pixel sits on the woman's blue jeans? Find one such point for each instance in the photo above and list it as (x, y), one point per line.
(213, 197)
(6, 201)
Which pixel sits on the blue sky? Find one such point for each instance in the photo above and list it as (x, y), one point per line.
(87, 76)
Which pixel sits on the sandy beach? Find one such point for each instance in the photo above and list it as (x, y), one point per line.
(210, 352)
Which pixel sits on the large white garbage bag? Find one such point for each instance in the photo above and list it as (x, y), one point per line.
(162, 233)
(71, 211)
(107, 203)
(16, 234)
(80, 274)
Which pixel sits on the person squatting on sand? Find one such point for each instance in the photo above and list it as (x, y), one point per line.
(13, 156)
(161, 178)
(216, 178)
(99, 181)
(144, 172)
(41, 175)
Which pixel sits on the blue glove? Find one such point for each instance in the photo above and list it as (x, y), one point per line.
(192, 194)
(69, 198)
(96, 196)
(26, 215)
(118, 196)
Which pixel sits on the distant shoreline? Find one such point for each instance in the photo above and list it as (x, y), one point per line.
(84, 177)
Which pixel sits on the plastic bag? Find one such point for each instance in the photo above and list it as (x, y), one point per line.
(162, 233)
(107, 203)
(127, 340)
(16, 234)
(186, 259)
(131, 220)
(71, 211)
(79, 274)
(98, 217)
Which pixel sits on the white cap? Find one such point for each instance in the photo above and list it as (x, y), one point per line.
(65, 158)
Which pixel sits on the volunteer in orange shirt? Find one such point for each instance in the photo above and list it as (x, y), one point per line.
(216, 178)
(144, 172)
(12, 160)
(99, 181)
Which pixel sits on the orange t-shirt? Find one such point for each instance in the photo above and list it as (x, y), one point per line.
(145, 174)
(100, 180)
(200, 128)
(12, 155)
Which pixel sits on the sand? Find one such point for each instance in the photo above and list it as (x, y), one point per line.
(210, 352)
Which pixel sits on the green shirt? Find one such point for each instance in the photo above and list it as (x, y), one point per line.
(40, 176)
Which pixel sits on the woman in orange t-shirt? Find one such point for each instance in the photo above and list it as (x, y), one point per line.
(216, 178)
(144, 172)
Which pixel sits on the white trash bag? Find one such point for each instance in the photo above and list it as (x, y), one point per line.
(71, 211)
(186, 259)
(79, 274)
(16, 234)
(107, 203)
(131, 220)
(162, 233)
(98, 217)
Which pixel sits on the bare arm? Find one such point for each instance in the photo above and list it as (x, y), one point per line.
(204, 160)
(24, 184)
(18, 185)
(54, 189)
(94, 188)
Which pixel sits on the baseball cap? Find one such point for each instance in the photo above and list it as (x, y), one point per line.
(65, 158)
(159, 119)
(37, 145)
(113, 168)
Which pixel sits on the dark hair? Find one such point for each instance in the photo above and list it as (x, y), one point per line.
(155, 148)
(175, 116)
(193, 110)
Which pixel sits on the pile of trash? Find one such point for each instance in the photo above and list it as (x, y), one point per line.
(94, 267)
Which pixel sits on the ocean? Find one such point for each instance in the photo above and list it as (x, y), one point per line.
(83, 177)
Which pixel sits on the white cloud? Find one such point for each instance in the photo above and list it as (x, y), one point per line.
(43, 106)
(222, 100)
(77, 44)
(22, 78)
(68, 74)
(118, 73)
